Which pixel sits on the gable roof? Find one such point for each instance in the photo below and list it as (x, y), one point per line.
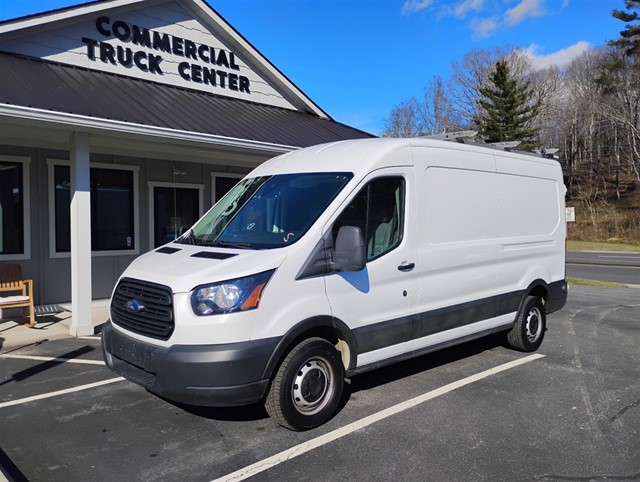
(199, 9)
(36, 89)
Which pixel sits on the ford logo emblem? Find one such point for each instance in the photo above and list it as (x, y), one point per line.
(134, 306)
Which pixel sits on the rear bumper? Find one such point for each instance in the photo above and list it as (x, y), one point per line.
(558, 292)
(209, 375)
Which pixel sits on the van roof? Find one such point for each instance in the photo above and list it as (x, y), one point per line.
(367, 154)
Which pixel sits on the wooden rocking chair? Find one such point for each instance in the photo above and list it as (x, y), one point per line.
(22, 292)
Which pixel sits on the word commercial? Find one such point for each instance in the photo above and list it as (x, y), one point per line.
(209, 74)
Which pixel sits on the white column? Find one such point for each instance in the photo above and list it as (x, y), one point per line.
(81, 324)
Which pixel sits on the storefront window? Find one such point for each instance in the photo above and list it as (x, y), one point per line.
(62, 185)
(175, 211)
(222, 184)
(12, 208)
(112, 209)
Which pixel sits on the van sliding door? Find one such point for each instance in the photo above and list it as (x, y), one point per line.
(460, 280)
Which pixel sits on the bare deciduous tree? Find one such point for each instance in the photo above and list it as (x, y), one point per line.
(404, 120)
(413, 117)
(590, 110)
(436, 109)
(466, 80)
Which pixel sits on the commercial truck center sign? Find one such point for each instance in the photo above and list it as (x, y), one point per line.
(202, 63)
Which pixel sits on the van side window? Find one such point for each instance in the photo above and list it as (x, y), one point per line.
(378, 210)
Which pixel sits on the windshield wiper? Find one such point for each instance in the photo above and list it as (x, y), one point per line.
(188, 238)
(230, 244)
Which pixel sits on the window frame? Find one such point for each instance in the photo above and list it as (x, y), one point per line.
(26, 208)
(152, 185)
(216, 174)
(53, 253)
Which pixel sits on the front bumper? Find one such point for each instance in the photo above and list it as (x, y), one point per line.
(210, 375)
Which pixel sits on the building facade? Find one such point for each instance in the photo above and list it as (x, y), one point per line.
(121, 123)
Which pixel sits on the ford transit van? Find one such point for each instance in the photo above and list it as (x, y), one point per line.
(336, 259)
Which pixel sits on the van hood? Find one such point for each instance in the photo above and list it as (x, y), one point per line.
(183, 267)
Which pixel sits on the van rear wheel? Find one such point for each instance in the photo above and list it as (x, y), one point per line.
(307, 389)
(531, 323)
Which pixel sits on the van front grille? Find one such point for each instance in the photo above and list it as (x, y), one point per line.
(144, 308)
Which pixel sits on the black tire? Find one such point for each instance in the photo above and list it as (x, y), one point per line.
(531, 323)
(307, 389)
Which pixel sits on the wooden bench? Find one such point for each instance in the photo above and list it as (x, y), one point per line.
(16, 292)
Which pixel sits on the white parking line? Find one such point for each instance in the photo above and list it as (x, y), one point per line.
(269, 462)
(59, 392)
(56, 359)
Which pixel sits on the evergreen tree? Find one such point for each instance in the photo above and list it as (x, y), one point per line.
(508, 109)
(619, 74)
(629, 39)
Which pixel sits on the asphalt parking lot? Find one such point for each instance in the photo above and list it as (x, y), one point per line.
(477, 412)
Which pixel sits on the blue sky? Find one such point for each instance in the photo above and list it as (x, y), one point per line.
(358, 59)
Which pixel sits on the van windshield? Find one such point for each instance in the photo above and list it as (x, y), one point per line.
(267, 212)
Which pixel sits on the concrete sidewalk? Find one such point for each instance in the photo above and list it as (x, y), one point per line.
(14, 334)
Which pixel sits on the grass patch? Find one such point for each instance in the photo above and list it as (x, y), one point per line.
(591, 282)
(603, 246)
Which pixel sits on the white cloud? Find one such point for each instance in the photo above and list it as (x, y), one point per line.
(524, 10)
(484, 28)
(463, 8)
(561, 58)
(494, 13)
(412, 6)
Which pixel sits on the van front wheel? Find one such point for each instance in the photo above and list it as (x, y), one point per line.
(307, 388)
(531, 323)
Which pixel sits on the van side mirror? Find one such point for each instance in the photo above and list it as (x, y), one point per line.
(349, 253)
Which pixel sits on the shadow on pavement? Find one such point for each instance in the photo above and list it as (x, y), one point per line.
(245, 413)
(9, 469)
(429, 361)
(41, 367)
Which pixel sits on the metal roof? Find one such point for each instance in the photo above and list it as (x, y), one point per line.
(38, 84)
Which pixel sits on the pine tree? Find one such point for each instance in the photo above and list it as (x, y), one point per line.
(623, 62)
(507, 109)
(629, 39)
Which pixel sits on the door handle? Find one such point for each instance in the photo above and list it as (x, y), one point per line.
(406, 266)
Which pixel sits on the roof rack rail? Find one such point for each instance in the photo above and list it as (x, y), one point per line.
(458, 136)
(469, 136)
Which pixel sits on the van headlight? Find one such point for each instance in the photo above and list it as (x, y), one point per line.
(241, 294)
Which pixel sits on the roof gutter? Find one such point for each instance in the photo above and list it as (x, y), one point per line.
(79, 122)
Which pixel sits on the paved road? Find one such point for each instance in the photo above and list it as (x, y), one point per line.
(478, 412)
(601, 266)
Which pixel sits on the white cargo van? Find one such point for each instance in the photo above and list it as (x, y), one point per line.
(340, 258)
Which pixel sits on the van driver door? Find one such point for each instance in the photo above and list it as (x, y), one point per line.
(378, 301)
